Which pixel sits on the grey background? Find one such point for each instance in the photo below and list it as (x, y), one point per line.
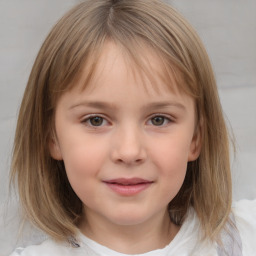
(228, 29)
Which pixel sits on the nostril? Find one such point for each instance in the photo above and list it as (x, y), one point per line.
(130, 161)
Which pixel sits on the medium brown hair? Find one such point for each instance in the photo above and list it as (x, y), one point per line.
(74, 44)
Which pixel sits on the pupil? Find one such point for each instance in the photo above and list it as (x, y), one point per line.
(96, 121)
(158, 120)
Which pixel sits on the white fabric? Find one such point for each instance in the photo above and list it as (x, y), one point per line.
(245, 216)
(186, 242)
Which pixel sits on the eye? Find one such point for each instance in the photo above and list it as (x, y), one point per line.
(95, 121)
(159, 120)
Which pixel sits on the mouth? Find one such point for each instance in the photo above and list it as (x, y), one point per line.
(128, 187)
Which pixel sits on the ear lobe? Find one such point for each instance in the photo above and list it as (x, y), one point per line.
(55, 149)
(196, 143)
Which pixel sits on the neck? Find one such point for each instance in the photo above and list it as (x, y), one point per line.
(131, 239)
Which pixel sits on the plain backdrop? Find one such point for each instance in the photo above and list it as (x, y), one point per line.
(228, 29)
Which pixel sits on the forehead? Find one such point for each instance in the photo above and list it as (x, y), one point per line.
(143, 65)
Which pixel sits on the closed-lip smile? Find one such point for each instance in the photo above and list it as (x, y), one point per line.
(128, 186)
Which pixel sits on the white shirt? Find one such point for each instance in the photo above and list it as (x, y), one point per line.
(186, 242)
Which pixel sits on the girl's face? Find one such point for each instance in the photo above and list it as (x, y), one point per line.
(125, 144)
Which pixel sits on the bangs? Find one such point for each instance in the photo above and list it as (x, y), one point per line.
(148, 66)
(78, 47)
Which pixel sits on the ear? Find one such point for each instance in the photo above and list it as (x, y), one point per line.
(196, 143)
(55, 149)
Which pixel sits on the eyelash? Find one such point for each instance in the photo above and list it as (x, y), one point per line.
(167, 119)
(87, 120)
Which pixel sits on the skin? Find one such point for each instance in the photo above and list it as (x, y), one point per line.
(140, 133)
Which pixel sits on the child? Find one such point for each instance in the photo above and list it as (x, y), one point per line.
(121, 147)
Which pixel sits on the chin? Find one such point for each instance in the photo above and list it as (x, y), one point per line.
(130, 218)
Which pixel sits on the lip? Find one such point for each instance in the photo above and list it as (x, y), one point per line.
(128, 187)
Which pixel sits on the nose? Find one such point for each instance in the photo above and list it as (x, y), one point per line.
(128, 147)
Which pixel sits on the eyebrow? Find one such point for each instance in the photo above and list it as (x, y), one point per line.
(94, 104)
(110, 106)
(161, 105)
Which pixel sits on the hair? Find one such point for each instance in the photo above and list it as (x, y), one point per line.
(74, 44)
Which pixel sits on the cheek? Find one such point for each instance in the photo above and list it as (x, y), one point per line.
(173, 171)
(173, 175)
(82, 161)
(171, 157)
(82, 166)
(171, 153)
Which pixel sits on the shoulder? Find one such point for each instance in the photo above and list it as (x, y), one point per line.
(245, 217)
(48, 247)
